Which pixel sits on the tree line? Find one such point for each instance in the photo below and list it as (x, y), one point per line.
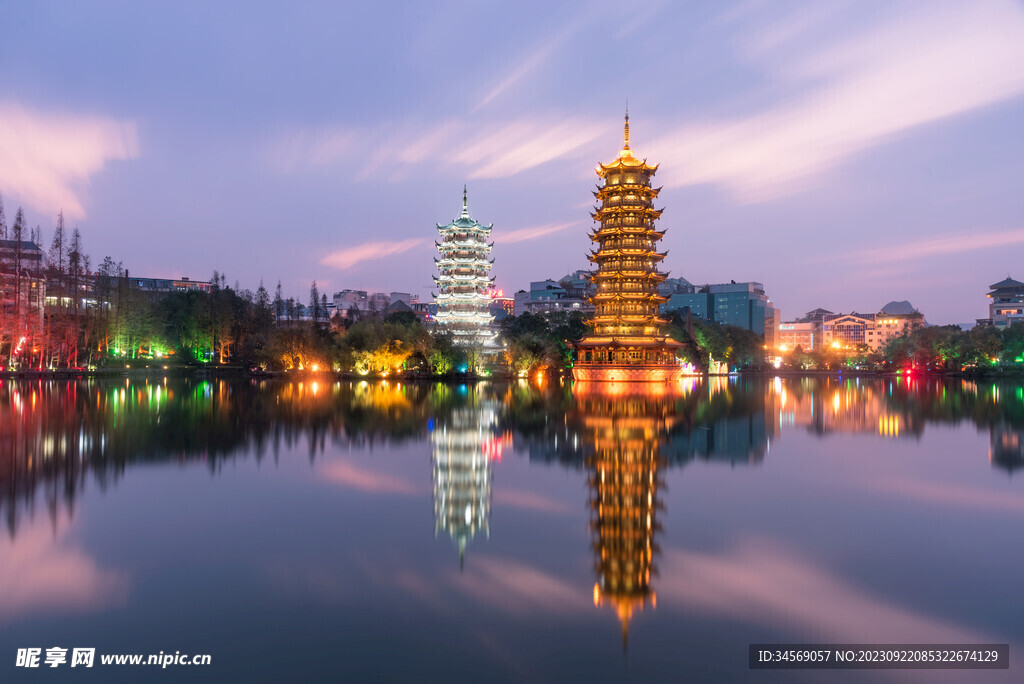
(941, 348)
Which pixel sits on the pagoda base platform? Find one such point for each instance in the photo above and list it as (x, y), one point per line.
(627, 373)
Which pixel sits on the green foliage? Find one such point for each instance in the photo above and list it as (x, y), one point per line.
(534, 342)
(704, 340)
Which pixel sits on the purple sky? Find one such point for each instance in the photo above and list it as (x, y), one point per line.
(845, 154)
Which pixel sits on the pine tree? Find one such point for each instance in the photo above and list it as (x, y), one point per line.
(314, 302)
(278, 302)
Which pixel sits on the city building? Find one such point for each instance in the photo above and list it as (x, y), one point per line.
(566, 294)
(463, 282)
(744, 305)
(847, 330)
(22, 284)
(351, 300)
(823, 329)
(1005, 303)
(873, 330)
(793, 334)
(893, 320)
(627, 342)
(165, 285)
(501, 306)
(671, 286)
(546, 296)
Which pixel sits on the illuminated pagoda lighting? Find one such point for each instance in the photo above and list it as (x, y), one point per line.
(627, 343)
(464, 284)
(462, 475)
(626, 431)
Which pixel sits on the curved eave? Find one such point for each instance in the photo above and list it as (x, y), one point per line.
(625, 163)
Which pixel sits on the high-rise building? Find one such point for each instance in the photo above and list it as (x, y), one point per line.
(463, 283)
(744, 305)
(627, 343)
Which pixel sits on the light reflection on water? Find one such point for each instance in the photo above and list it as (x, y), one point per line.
(557, 512)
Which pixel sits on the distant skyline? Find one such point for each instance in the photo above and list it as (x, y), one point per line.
(845, 154)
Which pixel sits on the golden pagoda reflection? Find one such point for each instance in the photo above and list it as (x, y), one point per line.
(625, 425)
(462, 446)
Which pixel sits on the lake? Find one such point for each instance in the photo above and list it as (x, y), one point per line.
(298, 530)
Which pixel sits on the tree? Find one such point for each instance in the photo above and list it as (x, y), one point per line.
(314, 303)
(278, 302)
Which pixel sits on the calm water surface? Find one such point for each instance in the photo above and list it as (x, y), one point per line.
(363, 531)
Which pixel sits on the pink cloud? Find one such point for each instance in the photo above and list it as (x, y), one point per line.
(474, 148)
(41, 570)
(523, 234)
(519, 589)
(369, 251)
(943, 244)
(350, 475)
(953, 495)
(530, 501)
(934, 63)
(763, 582)
(47, 159)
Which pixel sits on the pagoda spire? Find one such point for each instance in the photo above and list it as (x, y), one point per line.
(625, 133)
(465, 202)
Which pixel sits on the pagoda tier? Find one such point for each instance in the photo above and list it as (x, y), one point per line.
(627, 343)
(463, 280)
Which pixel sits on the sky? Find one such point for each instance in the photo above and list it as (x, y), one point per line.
(844, 154)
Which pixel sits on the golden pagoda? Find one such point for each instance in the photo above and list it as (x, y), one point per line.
(626, 344)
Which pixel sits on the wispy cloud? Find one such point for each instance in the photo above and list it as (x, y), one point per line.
(533, 61)
(46, 159)
(934, 62)
(536, 58)
(527, 500)
(925, 249)
(520, 589)
(301, 148)
(473, 148)
(761, 581)
(532, 233)
(369, 251)
(945, 495)
(348, 474)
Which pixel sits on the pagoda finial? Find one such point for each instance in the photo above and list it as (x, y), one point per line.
(465, 202)
(625, 144)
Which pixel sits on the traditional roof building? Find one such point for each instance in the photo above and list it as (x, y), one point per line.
(627, 343)
(1006, 302)
(463, 298)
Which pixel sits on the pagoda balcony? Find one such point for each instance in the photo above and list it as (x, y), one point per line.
(628, 243)
(634, 294)
(451, 262)
(629, 255)
(629, 201)
(465, 245)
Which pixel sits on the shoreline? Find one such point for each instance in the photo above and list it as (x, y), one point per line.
(462, 378)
